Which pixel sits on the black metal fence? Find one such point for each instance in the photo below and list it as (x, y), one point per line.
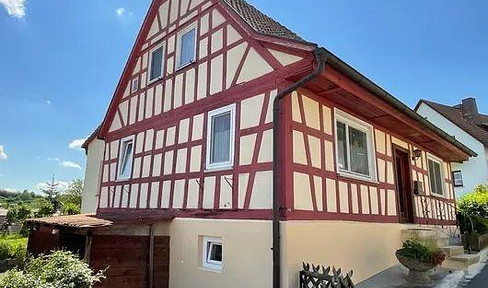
(320, 277)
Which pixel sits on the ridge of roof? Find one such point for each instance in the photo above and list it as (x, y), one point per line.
(455, 115)
(262, 23)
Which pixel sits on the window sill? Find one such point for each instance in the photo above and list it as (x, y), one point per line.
(355, 177)
(216, 271)
(218, 169)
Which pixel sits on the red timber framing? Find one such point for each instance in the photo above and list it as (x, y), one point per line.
(235, 65)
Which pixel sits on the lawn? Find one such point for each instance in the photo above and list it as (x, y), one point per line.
(13, 239)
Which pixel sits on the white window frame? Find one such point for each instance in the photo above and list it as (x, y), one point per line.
(223, 165)
(163, 64)
(207, 243)
(120, 176)
(136, 88)
(179, 43)
(351, 121)
(437, 160)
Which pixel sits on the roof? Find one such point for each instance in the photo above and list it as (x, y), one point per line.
(91, 138)
(260, 22)
(479, 131)
(93, 221)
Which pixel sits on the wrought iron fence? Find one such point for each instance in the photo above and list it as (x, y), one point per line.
(320, 277)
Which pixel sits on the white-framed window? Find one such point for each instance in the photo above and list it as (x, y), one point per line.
(220, 137)
(354, 146)
(156, 63)
(134, 85)
(186, 49)
(126, 154)
(436, 176)
(457, 177)
(212, 256)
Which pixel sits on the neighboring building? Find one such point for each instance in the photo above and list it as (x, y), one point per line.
(95, 149)
(186, 189)
(466, 124)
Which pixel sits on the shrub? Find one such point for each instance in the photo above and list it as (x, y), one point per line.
(18, 213)
(4, 250)
(476, 202)
(58, 270)
(71, 209)
(472, 224)
(426, 253)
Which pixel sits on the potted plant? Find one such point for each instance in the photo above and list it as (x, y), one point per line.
(420, 259)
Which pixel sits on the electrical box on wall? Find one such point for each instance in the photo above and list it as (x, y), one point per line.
(418, 188)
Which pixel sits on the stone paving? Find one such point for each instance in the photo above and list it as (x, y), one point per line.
(474, 277)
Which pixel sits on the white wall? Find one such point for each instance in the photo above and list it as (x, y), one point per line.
(475, 171)
(94, 160)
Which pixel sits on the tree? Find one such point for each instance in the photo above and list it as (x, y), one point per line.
(42, 208)
(52, 193)
(71, 199)
(17, 213)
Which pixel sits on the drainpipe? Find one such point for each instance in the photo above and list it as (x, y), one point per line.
(321, 58)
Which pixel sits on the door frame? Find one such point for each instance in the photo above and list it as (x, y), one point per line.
(396, 148)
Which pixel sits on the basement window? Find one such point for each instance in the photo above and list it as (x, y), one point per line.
(156, 63)
(212, 253)
(220, 138)
(126, 155)
(187, 42)
(435, 176)
(354, 146)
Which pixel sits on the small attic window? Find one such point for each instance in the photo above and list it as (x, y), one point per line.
(134, 85)
(187, 42)
(156, 63)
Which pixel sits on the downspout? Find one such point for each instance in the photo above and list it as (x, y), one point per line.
(321, 58)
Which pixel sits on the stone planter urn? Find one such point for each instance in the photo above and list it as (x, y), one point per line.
(419, 272)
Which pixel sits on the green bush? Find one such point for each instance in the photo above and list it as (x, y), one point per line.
(472, 224)
(13, 247)
(4, 250)
(71, 209)
(476, 202)
(426, 253)
(58, 270)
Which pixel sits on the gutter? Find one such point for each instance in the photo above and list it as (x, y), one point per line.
(390, 99)
(321, 58)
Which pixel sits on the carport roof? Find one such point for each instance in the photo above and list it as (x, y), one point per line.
(94, 221)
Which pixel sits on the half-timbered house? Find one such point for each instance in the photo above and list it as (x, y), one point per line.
(234, 150)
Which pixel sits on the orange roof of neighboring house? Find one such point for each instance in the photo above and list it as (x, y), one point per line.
(92, 221)
(476, 127)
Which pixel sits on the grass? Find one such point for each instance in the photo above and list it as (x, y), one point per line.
(14, 239)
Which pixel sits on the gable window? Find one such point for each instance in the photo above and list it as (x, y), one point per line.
(457, 176)
(125, 158)
(220, 138)
(435, 176)
(354, 146)
(156, 63)
(134, 85)
(186, 52)
(212, 253)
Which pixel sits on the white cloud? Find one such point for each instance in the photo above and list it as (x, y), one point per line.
(15, 8)
(62, 185)
(9, 190)
(3, 155)
(77, 143)
(55, 159)
(70, 164)
(48, 102)
(120, 11)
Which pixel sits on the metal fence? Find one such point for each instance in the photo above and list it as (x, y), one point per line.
(319, 277)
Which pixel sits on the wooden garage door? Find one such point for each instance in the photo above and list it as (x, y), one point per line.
(127, 260)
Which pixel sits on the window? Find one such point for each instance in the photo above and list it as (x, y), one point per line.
(125, 158)
(457, 176)
(354, 143)
(186, 46)
(156, 63)
(134, 85)
(435, 176)
(212, 253)
(220, 138)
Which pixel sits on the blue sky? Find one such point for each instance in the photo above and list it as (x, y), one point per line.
(60, 61)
